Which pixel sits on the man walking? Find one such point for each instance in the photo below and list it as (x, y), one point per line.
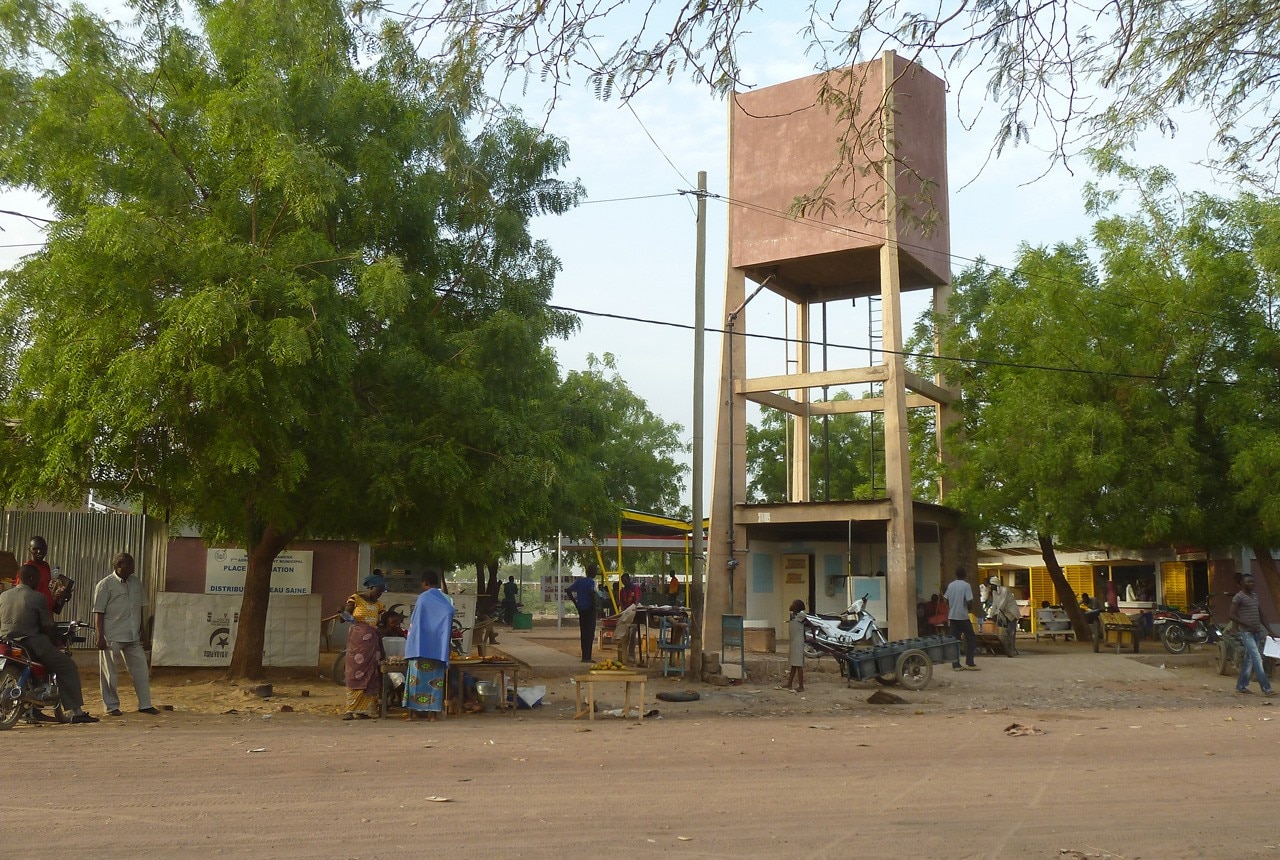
(1248, 618)
(24, 616)
(583, 594)
(959, 596)
(1004, 609)
(118, 602)
(510, 592)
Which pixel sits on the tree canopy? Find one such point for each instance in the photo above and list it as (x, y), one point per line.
(846, 456)
(290, 287)
(1124, 402)
(1082, 75)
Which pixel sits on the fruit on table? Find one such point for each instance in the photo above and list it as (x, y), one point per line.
(609, 666)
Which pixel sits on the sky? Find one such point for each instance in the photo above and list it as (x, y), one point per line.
(628, 250)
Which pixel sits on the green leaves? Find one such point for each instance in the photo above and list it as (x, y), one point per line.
(1127, 403)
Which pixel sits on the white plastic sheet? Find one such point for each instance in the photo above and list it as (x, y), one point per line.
(200, 630)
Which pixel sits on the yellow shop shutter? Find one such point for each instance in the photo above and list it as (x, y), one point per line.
(1173, 583)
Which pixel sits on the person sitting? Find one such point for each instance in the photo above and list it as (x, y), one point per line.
(630, 593)
(392, 624)
(25, 617)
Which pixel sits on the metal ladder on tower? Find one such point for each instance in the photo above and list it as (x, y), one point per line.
(875, 357)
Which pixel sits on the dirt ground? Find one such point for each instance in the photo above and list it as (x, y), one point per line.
(1150, 756)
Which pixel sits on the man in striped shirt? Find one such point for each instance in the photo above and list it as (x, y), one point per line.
(1248, 618)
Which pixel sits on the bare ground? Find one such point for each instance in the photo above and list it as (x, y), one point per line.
(1139, 757)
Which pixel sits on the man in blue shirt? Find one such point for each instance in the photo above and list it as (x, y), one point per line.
(583, 594)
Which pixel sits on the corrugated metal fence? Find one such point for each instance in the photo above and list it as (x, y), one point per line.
(83, 544)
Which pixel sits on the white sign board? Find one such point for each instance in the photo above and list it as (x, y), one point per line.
(224, 571)
(552, 590)
(200, 630)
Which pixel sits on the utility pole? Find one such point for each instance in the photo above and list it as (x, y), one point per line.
(696, 593)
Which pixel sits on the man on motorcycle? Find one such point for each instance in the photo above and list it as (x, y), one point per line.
(25, 617)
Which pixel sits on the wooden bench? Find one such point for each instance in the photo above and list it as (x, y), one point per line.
(1114, 627)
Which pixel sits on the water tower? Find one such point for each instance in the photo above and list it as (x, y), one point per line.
(872, 138)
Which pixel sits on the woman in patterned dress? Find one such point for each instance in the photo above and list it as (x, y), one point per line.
(364, 644)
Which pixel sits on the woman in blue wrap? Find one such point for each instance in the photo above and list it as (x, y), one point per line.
(426, 650)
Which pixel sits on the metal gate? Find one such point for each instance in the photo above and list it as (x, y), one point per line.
(82, 545)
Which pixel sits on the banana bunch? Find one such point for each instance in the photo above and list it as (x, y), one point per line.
(608, 666)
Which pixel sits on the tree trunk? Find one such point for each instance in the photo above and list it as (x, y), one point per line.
(1270, 609)
(1066, 596)
(246, 659)
(493, 587)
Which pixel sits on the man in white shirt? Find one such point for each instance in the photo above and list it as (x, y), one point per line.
(118, 602)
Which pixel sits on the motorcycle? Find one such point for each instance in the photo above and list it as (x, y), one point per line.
(1178, 630)
(837, 635)
(853, 627)
(25, 683)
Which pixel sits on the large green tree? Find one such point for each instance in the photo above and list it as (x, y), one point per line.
(1116, 403)
(289, 288)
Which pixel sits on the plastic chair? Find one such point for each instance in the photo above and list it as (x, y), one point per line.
(673, 645)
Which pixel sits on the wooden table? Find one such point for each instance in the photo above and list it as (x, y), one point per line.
(499, 670)
(585, 706)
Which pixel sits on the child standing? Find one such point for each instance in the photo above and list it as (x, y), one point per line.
(796, 650)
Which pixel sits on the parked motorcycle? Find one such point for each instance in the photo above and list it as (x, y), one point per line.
(837, 635)
(25, 683)
(853, 627)
(1179, 630)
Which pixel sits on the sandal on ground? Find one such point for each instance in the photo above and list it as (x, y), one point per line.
(348, 716)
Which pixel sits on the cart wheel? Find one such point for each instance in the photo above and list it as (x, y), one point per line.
(915, 669)
(1221, 661)
(888, 679)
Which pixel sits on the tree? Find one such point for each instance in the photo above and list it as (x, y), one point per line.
(1086, 76)
(621, 455)
(289, 289)
(1117, 407)
(846, 456)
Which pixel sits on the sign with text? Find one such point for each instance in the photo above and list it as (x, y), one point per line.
(552, 590)
(200, 630)
(225, 568)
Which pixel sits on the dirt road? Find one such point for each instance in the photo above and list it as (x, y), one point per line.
(1135, 760)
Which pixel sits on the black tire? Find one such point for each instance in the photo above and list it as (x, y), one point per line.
(888, 679)
(11, 708)
(339, 670)
(1174, 638)
(1221, 661)
(678, 696)
(914, 669)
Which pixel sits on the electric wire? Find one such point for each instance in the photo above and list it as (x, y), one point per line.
(984, 362)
